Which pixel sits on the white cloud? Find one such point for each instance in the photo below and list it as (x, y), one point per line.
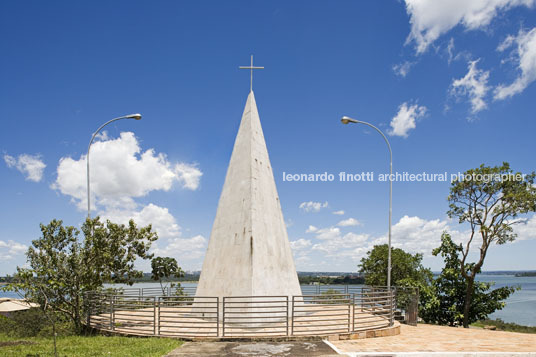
(187, 251)
(405, 119)
(339, 213)
(525, 56)
(451, 56)
(347, 245)
(10, 249)
(10, 160)
(418, 235)
(183, 248)
(30, 165)
(311, 229)
(328, 233)
(450, 50)
(313, 206)
(120, 171)
(300, 244)
(430, 19)
(527, 229)
(162, 221)
(188, 175)
(413, 234)
(402, 69)
(349, 222)
(474, 85)
(303, 262)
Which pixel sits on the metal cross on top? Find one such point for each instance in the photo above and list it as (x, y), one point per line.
(251, 68)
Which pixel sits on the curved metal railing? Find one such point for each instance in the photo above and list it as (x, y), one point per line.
(145, 312)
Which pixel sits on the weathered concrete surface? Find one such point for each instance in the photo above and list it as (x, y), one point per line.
(249, 253)
(244, 349)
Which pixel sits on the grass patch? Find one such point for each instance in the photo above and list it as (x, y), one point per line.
(505, 326)
(97, 345)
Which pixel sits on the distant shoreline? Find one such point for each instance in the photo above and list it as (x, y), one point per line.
(193, 277)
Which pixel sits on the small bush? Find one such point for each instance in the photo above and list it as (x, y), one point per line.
(32, 323)
(506, 326)
(331, 296)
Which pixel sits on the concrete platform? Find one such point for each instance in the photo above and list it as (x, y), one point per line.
(317, 324)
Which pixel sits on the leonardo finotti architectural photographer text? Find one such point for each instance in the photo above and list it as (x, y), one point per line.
(398, 177)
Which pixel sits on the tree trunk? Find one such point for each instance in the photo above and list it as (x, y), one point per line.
(77, 321)
(54, 335)
(468, 298)
(77, 317)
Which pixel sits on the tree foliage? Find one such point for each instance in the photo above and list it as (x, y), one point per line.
(62, 267)
(489, 202)
(166, 268)
(408, 275)
(444, 303)
(406, 268)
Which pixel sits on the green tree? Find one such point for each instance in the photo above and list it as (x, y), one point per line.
(446, 303)
(166, 267)
(407, 269)
(411, 279)
(62, 267)
(489, 200)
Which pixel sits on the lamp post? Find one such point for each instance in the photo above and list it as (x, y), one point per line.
(131, 116)
(346, 120)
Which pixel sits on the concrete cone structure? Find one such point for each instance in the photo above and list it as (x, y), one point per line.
(249, 252)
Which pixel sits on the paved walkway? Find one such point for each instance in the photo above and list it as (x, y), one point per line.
(423, 340)
(430, 338)
(253, 349)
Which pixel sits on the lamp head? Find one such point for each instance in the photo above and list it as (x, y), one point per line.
(136, 116)
(346, 120)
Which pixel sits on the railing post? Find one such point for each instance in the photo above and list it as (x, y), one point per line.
(159, 309)
(292, 317)
(395, 297)
(353, 312)
(217, 316)
(223, 318)
(154, 315)
(391, 307)
(417, 298)
(374, 299)
(286, 312)
(349, 313)
(112, 313)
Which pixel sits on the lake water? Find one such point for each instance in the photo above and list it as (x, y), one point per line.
(520, 306)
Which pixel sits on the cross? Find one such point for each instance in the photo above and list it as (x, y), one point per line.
(251, 68)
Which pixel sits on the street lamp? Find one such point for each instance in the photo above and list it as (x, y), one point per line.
(131, 116)
(346, 120)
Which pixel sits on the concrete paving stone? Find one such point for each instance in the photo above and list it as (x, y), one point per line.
(253, 349)
(442, 339)
(439, 354)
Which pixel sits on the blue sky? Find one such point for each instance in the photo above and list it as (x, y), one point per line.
(451, 83)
